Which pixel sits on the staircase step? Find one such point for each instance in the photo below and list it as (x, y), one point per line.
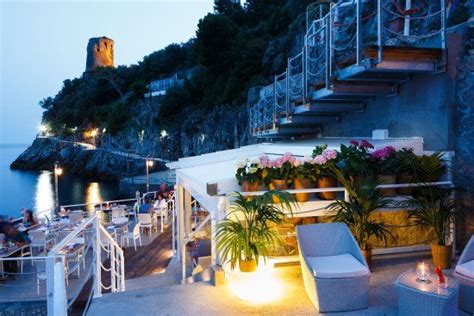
(287, 131)
(334, 107)
(354, 91)
(309, 120)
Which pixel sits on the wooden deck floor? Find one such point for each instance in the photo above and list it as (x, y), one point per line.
(150, 259)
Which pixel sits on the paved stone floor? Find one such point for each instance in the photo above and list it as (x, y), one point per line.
(205, 299)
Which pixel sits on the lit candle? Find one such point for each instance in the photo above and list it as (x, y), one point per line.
(422, 271)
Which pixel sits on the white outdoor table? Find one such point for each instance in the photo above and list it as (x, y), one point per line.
(426, 299)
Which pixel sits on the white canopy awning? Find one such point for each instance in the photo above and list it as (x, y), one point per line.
(209, 175)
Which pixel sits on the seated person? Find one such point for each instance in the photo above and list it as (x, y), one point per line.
(146, 207)
(28, 219)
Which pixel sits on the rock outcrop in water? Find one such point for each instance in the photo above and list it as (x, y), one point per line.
(90, 163)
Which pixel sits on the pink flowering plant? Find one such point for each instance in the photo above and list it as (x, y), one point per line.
(356, 160)
(280, 168)
(323, 160)
(386, 160)
(303, 168)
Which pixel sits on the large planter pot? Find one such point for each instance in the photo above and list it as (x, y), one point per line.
(248, 265)
(405, 177)
(368, 256)
(327, 182)
(304, 183)
(442, 255)
(388, 179)
(248, 186)
(280, 185)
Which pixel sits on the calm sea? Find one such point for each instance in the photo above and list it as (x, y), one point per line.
(35, 190)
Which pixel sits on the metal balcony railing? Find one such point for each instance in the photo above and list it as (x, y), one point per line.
(337, 35)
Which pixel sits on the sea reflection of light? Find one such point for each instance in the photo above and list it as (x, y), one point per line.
(44, 197)
(93, 195)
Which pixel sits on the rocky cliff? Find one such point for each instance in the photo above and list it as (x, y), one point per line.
(94, 164)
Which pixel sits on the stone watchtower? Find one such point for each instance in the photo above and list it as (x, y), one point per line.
(100, 53)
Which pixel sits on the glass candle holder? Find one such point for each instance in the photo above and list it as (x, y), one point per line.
(422, 271)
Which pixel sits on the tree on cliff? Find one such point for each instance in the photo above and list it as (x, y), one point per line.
(235, 48)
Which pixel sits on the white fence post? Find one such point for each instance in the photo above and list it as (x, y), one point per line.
(98, 260)
(59, 293)
(50, 298)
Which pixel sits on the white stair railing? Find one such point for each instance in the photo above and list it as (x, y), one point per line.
(96, 246)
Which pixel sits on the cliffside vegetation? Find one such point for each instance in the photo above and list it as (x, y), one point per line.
(235, 48)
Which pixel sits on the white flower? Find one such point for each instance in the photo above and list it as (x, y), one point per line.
(252, 170)
(241, 163)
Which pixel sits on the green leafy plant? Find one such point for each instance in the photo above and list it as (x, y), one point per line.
(364, 199)
(247, 170)
(433, 207)
(247, 233)
(355, 160)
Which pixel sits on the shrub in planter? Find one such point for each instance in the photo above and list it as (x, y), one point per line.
(278, 173)
(355, 160)
(434, 207)
(386, 168)
(245, 235)
(248, 174)
(324, 160)
(303, 176)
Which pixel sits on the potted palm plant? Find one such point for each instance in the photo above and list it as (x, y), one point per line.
(247, 233)
(434, 207)
(356, 212)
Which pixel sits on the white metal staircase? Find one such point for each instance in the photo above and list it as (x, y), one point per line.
(354, 51)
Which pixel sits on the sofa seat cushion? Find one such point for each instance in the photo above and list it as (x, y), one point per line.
(466, 269)
(336, 267)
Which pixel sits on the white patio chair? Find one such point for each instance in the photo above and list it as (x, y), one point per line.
(118, 212)
(145, 221)
(39, 239)
(464, 273)
(76, 217)
(134, 235)
(335, 274)
(40, 274)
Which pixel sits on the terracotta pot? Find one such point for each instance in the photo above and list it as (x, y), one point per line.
(304, 183)
(388, 179)
(327, 182)
(280, 185)
(248, 186)
(404, 177)
(368, 257)
(442, 255)
(247, 265)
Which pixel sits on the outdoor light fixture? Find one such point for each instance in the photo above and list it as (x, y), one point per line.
(57, 172)
(259, 287)
(149, 163)
(422, 271)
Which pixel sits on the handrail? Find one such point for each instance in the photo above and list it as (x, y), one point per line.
(97, 203)
(342, 189)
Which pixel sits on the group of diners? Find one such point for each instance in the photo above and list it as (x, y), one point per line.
(29, 236)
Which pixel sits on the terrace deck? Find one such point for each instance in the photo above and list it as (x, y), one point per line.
(203, 298)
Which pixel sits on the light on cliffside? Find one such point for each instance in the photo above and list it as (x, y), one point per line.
(94, 132)
(149, 163)
(164, 134)
(42, 128)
